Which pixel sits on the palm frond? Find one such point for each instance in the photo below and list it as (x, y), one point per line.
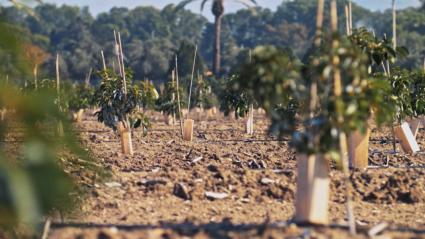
(203, 4)
(183, 4)
(247, 3)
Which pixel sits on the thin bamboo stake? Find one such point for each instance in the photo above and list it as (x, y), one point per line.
(191, 81)
(178, 98)
(57, 77)
(121, 56)
(46, 229)
(103, 60)
(394, 25)
(60, 125)
(36, 76)
(317, 43)
(173, 95)
(251, 106)
(117, 53)
(342, 136)
(350, 8)
(88, 76)
(347, 20)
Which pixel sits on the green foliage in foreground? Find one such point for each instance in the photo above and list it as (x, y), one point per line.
(32, 182)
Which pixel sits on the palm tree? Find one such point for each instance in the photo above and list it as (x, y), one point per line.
(218, 12)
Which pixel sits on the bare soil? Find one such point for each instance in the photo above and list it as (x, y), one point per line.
(164, 191)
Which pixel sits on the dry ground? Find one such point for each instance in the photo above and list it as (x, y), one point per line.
(160, 192)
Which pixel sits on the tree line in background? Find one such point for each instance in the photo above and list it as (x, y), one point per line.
(152, 37)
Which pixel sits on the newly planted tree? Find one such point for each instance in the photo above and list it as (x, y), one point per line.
(418, 100)
(118, 106)
(149, 94)
(406, 99)
(333, 97)
(202, 96)
(33, 182)
(167, 101)
(79, 97)
(234, 100)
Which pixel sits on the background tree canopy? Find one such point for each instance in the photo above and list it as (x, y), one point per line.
(151, 37)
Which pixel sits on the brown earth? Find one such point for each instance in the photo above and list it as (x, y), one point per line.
(161, 191)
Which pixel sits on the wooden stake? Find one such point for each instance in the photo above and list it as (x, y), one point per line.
(121, 56)
(173, 95)
(117, 52)
(46, 229)
(103, 60)
(36, 76)
(347, 21)
(340, 119)
(57, 77)
(394, 25)
(250, 123)
(350, 8)
(88, 77)
(60, 124)
(191, 81)
(2, 114)
(178, 98)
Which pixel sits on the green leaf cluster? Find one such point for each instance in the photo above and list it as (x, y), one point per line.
(116, 105)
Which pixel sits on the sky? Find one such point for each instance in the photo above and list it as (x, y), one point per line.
(97, 6)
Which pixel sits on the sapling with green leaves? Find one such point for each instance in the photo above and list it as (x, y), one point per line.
(234, 100)
(202, 95)
(79, 97)
(167, 101)
(333, 97)
(382, 53)
(418, 92)
(149, 94)
(118, 108)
